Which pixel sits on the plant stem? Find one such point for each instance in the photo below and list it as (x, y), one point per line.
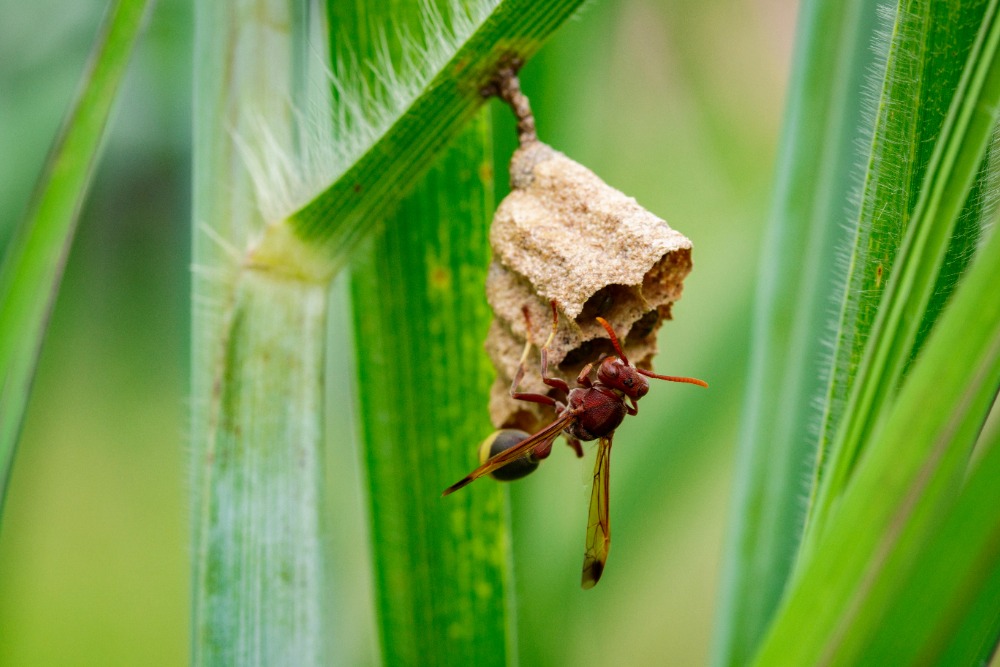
(258, 336)
(261, 587)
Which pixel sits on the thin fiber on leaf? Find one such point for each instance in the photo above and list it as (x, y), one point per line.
(388, 163)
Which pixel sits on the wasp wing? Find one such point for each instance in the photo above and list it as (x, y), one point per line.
(598, 522)
(517, 451)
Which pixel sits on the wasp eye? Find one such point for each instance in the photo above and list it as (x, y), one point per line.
(628, 382)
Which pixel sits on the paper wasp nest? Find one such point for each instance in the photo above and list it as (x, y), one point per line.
(563, 234)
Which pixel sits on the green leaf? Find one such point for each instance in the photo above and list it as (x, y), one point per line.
(904, 483)
(441, 565)
(926, 56)
(957, 577)
(33, 263)
(339, 217)
(797, 283)
(959, 151)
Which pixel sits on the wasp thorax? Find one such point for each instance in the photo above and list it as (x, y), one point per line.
(564, 235)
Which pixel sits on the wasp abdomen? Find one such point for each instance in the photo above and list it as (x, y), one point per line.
(501, 441)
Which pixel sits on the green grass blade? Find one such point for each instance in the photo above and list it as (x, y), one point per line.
(797, 284)
(358, 198)
(441, 564)
(954, 165)
(926, 56)
(904, 482)
(33, 263)
(956, 573)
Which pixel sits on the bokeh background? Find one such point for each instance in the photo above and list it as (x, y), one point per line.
(676, 102)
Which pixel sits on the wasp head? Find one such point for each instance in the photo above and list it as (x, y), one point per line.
(618, 374)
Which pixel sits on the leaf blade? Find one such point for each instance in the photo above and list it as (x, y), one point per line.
(929, 45)
(797, 283)
(958, 570)
(905, 480)
(442, 564)
(959, 151)
(32, 266)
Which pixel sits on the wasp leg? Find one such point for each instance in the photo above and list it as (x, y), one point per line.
(520, 396)
(583, 379)
(543, 450)
(554, 382)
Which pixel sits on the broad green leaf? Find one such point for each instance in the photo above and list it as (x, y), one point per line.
(33, 263)
(904, 483)
(959, 151)
(798, 281)
(441, 565)
(442, 570)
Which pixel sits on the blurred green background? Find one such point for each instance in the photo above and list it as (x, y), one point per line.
(676, 102)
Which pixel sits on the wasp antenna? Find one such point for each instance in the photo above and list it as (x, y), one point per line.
(614, 339)
(673, 378)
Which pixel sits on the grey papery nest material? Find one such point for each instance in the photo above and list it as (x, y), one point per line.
(563, 234)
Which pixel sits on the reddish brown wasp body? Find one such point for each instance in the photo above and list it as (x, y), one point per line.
(592, 410)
